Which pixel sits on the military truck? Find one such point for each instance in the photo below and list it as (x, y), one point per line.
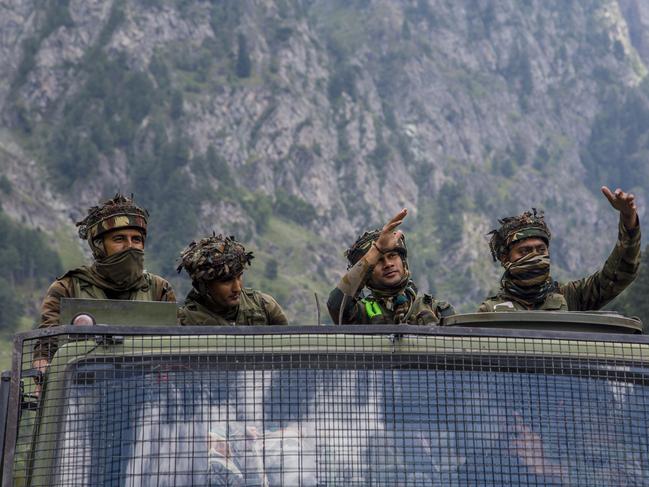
(537, 398)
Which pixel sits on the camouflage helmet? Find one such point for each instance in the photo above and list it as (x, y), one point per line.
(514, 228)
(118, 212)
(214, 258)
(364, 242)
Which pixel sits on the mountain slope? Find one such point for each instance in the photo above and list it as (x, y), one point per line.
(297, 125)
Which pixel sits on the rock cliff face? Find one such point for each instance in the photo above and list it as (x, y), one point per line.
(325, 117)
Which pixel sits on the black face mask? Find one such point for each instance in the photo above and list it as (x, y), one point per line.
(123, 270)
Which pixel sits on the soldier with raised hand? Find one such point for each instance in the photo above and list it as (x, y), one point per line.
(377, 288)
(216, 265)
(116, 233)
(522, 246)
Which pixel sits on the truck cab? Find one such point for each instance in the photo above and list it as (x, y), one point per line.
(529, 398)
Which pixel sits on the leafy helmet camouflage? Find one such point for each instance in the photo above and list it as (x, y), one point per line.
(118, 212)
(214, 258)
(364, 242)
(514, 228)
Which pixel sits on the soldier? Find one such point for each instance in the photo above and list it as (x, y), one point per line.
(378, 261)
(116, 232)
(521, 245)
(216, 265)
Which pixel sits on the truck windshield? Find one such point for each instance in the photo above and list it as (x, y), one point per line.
(310, 420)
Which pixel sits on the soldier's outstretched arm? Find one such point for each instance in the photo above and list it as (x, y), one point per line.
(353, 281)
(621, 267)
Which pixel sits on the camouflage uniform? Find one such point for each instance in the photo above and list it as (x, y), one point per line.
(255, 308)
(219, 258)
(72, 285)
(590, 293)
(400, 305)
(86, 282)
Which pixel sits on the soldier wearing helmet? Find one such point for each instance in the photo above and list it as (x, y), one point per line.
(522, 246)
(216, 265)
(116, 232)
(378, 265)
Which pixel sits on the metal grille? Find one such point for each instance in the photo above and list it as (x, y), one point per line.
(120, 408)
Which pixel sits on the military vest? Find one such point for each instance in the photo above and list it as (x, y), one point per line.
(554, 302)
(85, 290)
(424, 310)
(251, 312)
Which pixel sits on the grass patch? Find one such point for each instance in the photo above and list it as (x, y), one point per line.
(67, 246)
(296, 282)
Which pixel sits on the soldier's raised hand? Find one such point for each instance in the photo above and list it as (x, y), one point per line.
(389, 239)
(625, 204)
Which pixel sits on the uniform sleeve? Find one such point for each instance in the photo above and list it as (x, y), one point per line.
(51, 306)
(164, 291)
(352, 314)
(347, 291)
(619, 270)
(50, 314)
(274, 311)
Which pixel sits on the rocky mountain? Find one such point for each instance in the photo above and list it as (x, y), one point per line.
(297, 124)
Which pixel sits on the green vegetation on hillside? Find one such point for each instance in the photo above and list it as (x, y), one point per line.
(618, 148)
(291, 277)
(26, 262)
(123, 111)
(119, 114)
(634, 302)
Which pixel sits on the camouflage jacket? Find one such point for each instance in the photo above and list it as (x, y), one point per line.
(71, 286)
(255, 308)
(423, 310)
(592, 292)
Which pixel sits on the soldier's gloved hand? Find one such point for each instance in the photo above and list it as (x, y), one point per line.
(625, 204)
(389, 239)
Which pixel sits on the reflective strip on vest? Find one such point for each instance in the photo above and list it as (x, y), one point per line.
(372, 308)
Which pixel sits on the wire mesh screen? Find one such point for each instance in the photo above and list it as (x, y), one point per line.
(320, 410)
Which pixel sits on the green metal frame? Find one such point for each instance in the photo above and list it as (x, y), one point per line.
(97, 342)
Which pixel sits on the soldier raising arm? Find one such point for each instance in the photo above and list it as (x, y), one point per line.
(521, 245)
(378, 262)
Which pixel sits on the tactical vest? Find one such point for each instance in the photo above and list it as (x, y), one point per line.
(252, 311)
(554, 302)
(424, 310)
(85, 290)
